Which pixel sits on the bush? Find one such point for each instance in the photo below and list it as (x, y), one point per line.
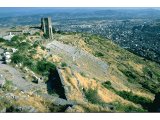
(108, 85)
(59, 32)
(150, 85)
(15, 38)
(91, 96)
(17, 58)
(63, 64)
(99, 54)
(43, 48)
(20, 58)
(26, 34)
(130, 74)
(45, 35)
(126, 108)
(36, 44)
(28, 62)
(145, 102)
(44, 66)
(23, 46)
(83, 74)
(8, 86)
(37, 33)
(2, 40)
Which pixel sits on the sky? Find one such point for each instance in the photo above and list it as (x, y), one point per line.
(79, 3)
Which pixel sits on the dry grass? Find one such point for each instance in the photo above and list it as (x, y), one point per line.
(28, 99)
(55, 59)
(39, 54)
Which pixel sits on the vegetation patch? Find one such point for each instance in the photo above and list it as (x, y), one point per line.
(99, 54)
(44, 67)
(92, 97)
(145, 102)
(2, 40)
(63, 64)
(126, 108)
(8, 86)
(108, 85)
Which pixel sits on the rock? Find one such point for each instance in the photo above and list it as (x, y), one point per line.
(28, 109)
(2, 81)
(35, 79)
(13, 50)
(7, 57)
(10, 95)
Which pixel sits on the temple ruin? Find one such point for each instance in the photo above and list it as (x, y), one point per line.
(46, 25)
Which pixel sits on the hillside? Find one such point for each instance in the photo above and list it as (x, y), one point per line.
(80, 73)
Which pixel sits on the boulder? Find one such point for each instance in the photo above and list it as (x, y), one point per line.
(35, 79)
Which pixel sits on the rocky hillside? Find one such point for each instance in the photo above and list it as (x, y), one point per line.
(100, 72)
(79, 73)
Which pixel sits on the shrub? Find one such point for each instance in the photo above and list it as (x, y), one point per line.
(63, 64)
(59, 32)
(126, 108)
(8, 86)
(28, 62)
(23, 46)
(83, 74)
(145, 102)
(45, 35)
(37, 33)
(130, 74)
(15, 38)
(91, 96)
(44, 66)
(150, 85)
(2, 40)
(36, 44)
(20, 58)
(43, 48)
(26, 34)
(108, 85)
(99, 54)
(17, 58)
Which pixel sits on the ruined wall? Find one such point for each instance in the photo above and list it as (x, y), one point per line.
(46, 25)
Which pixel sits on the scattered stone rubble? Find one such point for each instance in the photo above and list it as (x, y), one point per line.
(7, 55)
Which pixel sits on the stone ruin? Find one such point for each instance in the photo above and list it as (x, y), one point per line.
(46, 26)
